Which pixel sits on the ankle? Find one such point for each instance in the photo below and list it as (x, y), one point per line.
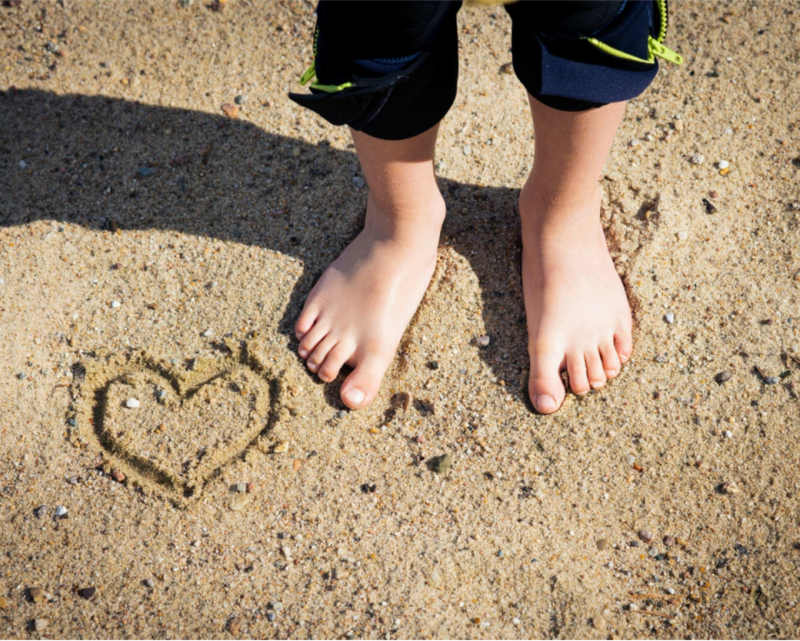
(406, 222)
(548, 210)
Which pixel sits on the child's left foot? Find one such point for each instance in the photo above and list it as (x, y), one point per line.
(578, 314)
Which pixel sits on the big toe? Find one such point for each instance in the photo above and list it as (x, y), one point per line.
(545, 386)
(364, 382)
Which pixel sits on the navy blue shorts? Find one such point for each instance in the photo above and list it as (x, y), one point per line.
(390, 68)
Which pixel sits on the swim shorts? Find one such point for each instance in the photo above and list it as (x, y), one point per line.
(390, 68)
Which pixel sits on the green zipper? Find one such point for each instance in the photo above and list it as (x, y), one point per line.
(655, 46)
(310, 73)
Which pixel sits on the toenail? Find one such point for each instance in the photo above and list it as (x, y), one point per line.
(611, 372)
(313, 367)
(303, 353)
(545, 403)
(597, 385)
(354, 396)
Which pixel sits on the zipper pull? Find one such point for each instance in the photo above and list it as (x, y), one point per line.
(311, 72)
(662, 51)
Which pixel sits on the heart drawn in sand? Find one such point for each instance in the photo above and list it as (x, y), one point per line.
(175, 427)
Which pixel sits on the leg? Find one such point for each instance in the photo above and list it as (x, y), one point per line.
(357, 312)
(578, 313)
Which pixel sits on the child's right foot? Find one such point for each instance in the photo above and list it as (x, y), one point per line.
(359, 309)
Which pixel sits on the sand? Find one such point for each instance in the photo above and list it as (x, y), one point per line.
(665, 505)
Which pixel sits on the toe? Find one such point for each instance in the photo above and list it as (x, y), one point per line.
(594, 368)
(306, 321)
(361, 387)
(624, 345)
(337, 357)
(313, 336)
(321, 352)
(576, 366)
(544, 386)
(611, 363)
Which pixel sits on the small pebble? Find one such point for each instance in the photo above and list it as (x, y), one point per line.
(162, 393)
(683, 235)
(61, 511)
(281, 447)
(40, 624)
(87, 593)
(441, 464)
(515, 621)
(772, 380)
(669, 317)
(678, 124)
(22, 376)
(40, 512)
(602, 544)
(22, 164)
(483, 341)
(74, 480)
(652, 552)
(723, 377)
(72, 422)
(238, 500)
(730, 487)
(132, 403)
(723, 164)
(3, 603)
(117, 475)
(232, 111)
(235, 627)
(115, 304)
(507, 68)
(358, 181)
(241, 487)
(433, 365)
(207, 333)
(728, 434)
(646, 535)
(466, 150)
(669, 541)
(36, 594)
(145, 172)
(697, 159)
(271, 616)
(240, 99)
(150, 583)
(713, 194)
(296, 152)
(727, 130)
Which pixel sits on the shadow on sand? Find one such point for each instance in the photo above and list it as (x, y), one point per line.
(106, 163)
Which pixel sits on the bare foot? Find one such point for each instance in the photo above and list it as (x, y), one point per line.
(578, 313)
(359, 309)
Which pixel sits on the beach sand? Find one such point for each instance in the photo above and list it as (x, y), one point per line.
(149, 242)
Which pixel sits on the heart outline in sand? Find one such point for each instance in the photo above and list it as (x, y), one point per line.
(245, 386)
